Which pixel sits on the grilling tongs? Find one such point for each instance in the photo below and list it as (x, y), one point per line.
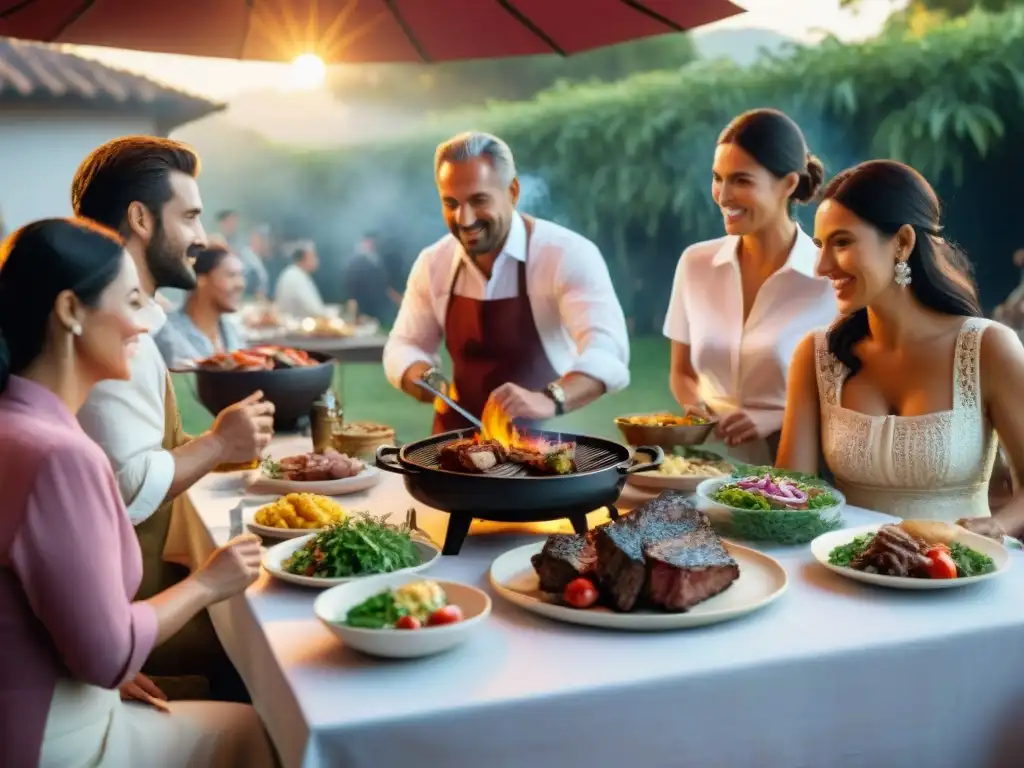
(450, 403)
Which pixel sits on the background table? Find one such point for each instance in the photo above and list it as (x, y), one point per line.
(835, 674)
(352, 349)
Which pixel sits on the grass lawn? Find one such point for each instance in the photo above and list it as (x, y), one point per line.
(367, 396)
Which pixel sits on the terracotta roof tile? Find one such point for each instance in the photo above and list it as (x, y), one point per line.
(41, 73)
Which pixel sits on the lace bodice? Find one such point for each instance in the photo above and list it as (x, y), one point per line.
(933, 466)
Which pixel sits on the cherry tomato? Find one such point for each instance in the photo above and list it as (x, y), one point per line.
(450, 614)
(408, 622)
(580, 593)
(941, 565)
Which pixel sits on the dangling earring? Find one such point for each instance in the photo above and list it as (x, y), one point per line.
(902, 276)
(76, 329)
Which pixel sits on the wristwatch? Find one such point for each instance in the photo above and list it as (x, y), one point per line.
(557, 394)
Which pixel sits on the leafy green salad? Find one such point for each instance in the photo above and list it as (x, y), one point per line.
(774, 490)
(411, 606)
(358, 546)
(769, 504)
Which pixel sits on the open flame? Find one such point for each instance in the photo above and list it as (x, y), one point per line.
(498, 426)
(440, 406)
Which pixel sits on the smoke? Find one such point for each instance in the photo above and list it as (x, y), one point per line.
(311, 195)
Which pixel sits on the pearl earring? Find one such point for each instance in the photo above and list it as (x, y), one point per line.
(902, 276)
(76, 329)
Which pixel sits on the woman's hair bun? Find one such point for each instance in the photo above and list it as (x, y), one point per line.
(810, 180)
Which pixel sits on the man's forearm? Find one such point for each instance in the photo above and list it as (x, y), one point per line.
(193, 461)
(580, 390)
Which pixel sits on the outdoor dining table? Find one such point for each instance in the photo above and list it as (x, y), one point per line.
(834, 674)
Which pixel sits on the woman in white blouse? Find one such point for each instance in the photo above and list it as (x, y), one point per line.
(740, 304)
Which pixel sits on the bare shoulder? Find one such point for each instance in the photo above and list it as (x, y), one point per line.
(806, 352)
(1002, 353)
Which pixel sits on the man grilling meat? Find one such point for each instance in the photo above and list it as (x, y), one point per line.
(524, 306)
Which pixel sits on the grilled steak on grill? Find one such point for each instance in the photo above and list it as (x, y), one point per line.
(553, 459)
(688, 570)
(565, 557)
(621, 567)
(471, 455)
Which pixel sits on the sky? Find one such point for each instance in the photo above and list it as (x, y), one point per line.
(221, 79)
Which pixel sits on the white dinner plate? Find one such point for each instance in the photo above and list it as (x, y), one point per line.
(332, 606)
(259, 483)
(822, 546)
(274, 557)
(655, 481)
(762, 580)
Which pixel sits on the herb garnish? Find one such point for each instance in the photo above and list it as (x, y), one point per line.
(360, 545)
(271, 469)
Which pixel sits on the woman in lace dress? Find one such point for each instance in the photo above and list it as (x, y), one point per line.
(906, 392)
(740, 304)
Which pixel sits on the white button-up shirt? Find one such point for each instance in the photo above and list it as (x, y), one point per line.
(296, 293)
(126, 419)
(578, 316)
(745, 365)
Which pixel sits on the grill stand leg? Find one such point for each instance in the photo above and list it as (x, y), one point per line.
(458, 529)
(579, 522)
(579, 519)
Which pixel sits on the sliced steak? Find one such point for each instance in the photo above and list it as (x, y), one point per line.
(893, 552)
(565, 557)
(621, 565)
(687, 570)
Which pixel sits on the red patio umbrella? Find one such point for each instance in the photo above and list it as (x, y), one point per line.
(356, 31)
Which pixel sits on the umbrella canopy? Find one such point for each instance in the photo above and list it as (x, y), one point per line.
(355, 31)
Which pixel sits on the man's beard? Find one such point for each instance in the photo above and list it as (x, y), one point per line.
(166, 265)
(486, 242)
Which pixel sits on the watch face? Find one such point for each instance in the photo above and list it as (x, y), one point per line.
(557, 394)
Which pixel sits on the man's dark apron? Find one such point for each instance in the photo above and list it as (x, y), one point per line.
(492, 343)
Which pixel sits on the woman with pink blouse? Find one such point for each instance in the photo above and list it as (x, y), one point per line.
(73, 640)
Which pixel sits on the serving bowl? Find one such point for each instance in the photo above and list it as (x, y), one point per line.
(666, 437)
(292, 390)
(333, 606)
(781, 526)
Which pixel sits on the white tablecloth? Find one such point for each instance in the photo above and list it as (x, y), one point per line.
(835, 674)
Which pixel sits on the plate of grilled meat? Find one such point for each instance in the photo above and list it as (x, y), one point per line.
(661, 567)
(328, 474)
(912, 554)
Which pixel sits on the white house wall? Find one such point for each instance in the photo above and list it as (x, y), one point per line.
(40, 149)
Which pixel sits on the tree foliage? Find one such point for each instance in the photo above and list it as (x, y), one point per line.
(452, 84)
(952, 8)
(637, 149)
